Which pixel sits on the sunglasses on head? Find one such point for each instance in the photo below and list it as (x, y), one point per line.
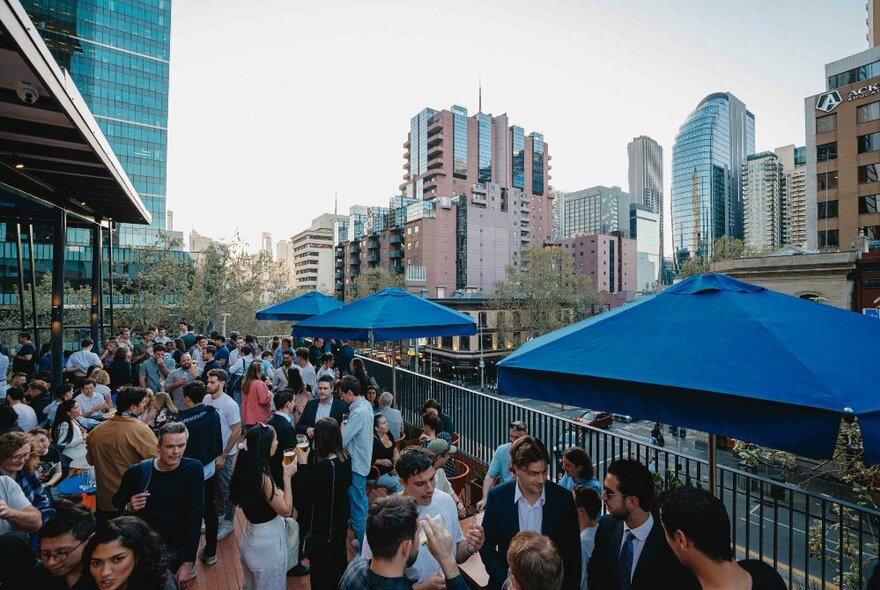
(518, 426)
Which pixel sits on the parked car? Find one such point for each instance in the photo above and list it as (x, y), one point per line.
(596, 419)
(623, 418)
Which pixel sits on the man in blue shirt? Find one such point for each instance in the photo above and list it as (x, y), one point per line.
(222, 353)
(500, 466)
(357, 438)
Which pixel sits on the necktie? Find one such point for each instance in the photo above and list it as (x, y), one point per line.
(625, 562)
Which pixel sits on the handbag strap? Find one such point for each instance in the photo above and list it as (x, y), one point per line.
(332, 501)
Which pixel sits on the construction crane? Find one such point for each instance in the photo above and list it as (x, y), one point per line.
(696, 211)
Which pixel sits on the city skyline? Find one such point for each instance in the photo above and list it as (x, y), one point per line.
(277, 127)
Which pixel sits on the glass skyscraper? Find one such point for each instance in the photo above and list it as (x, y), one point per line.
(707, 160)
(117, 52)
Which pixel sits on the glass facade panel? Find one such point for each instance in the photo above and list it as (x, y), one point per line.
(854, 75)
(827, 151)
(826, 123)
(829, 238)
(827, 180)
(868, 112)
(872, 232)
(484, 125)
(459, 142)
(537, 163)
(827, 209)
(519, 156)
(867, 173)
(868, 204)
(868, 143)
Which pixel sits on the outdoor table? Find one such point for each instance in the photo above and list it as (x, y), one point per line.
(72, 486)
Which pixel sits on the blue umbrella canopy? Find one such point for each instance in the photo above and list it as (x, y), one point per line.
(718, 355)
(299, 308)
(391, 314)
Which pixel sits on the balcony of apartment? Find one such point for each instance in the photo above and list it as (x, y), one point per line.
(438, 163)
(435, 141)
(396, 268)
(372, 244)
(340, 263)
(354, 274)
(372, 258)
(340, 275)
(395, 254)
(354, 262)
(395, 239)
(339, 285)
(435, 153)
(355, 249)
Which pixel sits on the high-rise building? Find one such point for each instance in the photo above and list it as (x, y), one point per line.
(644, 227)
(763, 181)
(843, 154)
(794, 194)
(596, 210)
(609, 260)
(266, 243)
(558, 213)
(312, 254)
(707, 157)
(118, 55)
(645, 176)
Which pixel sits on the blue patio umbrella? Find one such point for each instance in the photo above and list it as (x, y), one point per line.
(299, 308)
(391, 314)
(718, 355)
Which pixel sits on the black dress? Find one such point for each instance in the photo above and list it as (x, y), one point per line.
(323, 495)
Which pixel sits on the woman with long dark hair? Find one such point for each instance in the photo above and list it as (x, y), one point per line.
(179, 350)
(120, 370)
(67, 432)
(323, 480)
(359, 370)
(255, 398)
(264, 546)
(126, 554)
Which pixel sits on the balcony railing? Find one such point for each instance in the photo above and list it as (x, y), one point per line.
(812, 539)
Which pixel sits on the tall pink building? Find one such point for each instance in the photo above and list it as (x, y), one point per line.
(610, 260)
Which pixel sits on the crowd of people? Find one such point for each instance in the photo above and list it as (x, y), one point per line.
(179, 434)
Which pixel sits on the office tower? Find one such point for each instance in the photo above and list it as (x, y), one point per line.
(644, 227)
(596, 210)
(311, 254)
(707, 157)
(118, 55)
(609, 260)
(763, 182)
(794, 194)
(645, 176)
(558, 214)
(843, 155)
(266, 243)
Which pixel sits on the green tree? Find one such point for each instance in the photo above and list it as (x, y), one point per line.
(724, 248)
(544, 293)
(372, 281)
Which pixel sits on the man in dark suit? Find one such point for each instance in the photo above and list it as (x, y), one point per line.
(326, 405)
(630, 552)
(282, 422)
(530, 502)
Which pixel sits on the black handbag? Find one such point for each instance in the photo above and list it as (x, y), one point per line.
(315, 546)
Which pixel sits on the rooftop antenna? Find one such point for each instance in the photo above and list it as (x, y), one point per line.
(335, 203)
(480, 94)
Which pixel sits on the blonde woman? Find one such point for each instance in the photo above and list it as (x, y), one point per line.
(102, 384)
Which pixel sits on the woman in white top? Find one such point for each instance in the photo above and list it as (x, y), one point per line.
(67, 432)
(102, 385)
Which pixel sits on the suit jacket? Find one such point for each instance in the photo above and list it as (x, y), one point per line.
(559, 522)
(286, 434)
(307, 420)
(657, 565)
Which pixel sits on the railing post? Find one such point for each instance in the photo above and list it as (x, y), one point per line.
(713, 462)
(394, 379)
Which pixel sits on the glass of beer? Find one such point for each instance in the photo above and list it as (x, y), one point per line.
(302, 441)
(289, 456)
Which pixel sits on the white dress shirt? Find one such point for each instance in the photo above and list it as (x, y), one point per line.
(81, 360)
(531, 516)
(640, 535)
(323, 410)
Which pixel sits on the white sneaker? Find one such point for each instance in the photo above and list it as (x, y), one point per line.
(224, 529)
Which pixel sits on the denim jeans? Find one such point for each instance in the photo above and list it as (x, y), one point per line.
(357, 496)
(225, 507)
(389, 481)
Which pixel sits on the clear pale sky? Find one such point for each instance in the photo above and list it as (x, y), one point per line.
(277, 104)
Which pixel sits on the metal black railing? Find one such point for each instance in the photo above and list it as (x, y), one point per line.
(812, 539)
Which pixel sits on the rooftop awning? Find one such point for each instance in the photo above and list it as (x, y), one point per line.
(52, 151)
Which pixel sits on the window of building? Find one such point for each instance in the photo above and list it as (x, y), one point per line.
(872, 232)
(826, 123)
(827, 151)
(867, 173)
(868, 204)
(483, 316)
(829, 238)
(446, 342)
(464, 343)
(487, 341)
(827, 209)
(854, 75)
(869, 143)
(867, 112)
(827, 180)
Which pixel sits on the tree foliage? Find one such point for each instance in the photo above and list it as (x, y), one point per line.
(724, 248)
(372, 281)
(544, 293)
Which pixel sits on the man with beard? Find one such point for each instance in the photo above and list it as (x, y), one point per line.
(279, 377)
(179, 377)
(630, 550)
(392, 527)
(416, 470)
(530, 503)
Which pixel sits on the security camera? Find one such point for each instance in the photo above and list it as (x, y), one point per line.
(27, 93)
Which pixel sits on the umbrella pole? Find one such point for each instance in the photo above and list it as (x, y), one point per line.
(713, 462)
